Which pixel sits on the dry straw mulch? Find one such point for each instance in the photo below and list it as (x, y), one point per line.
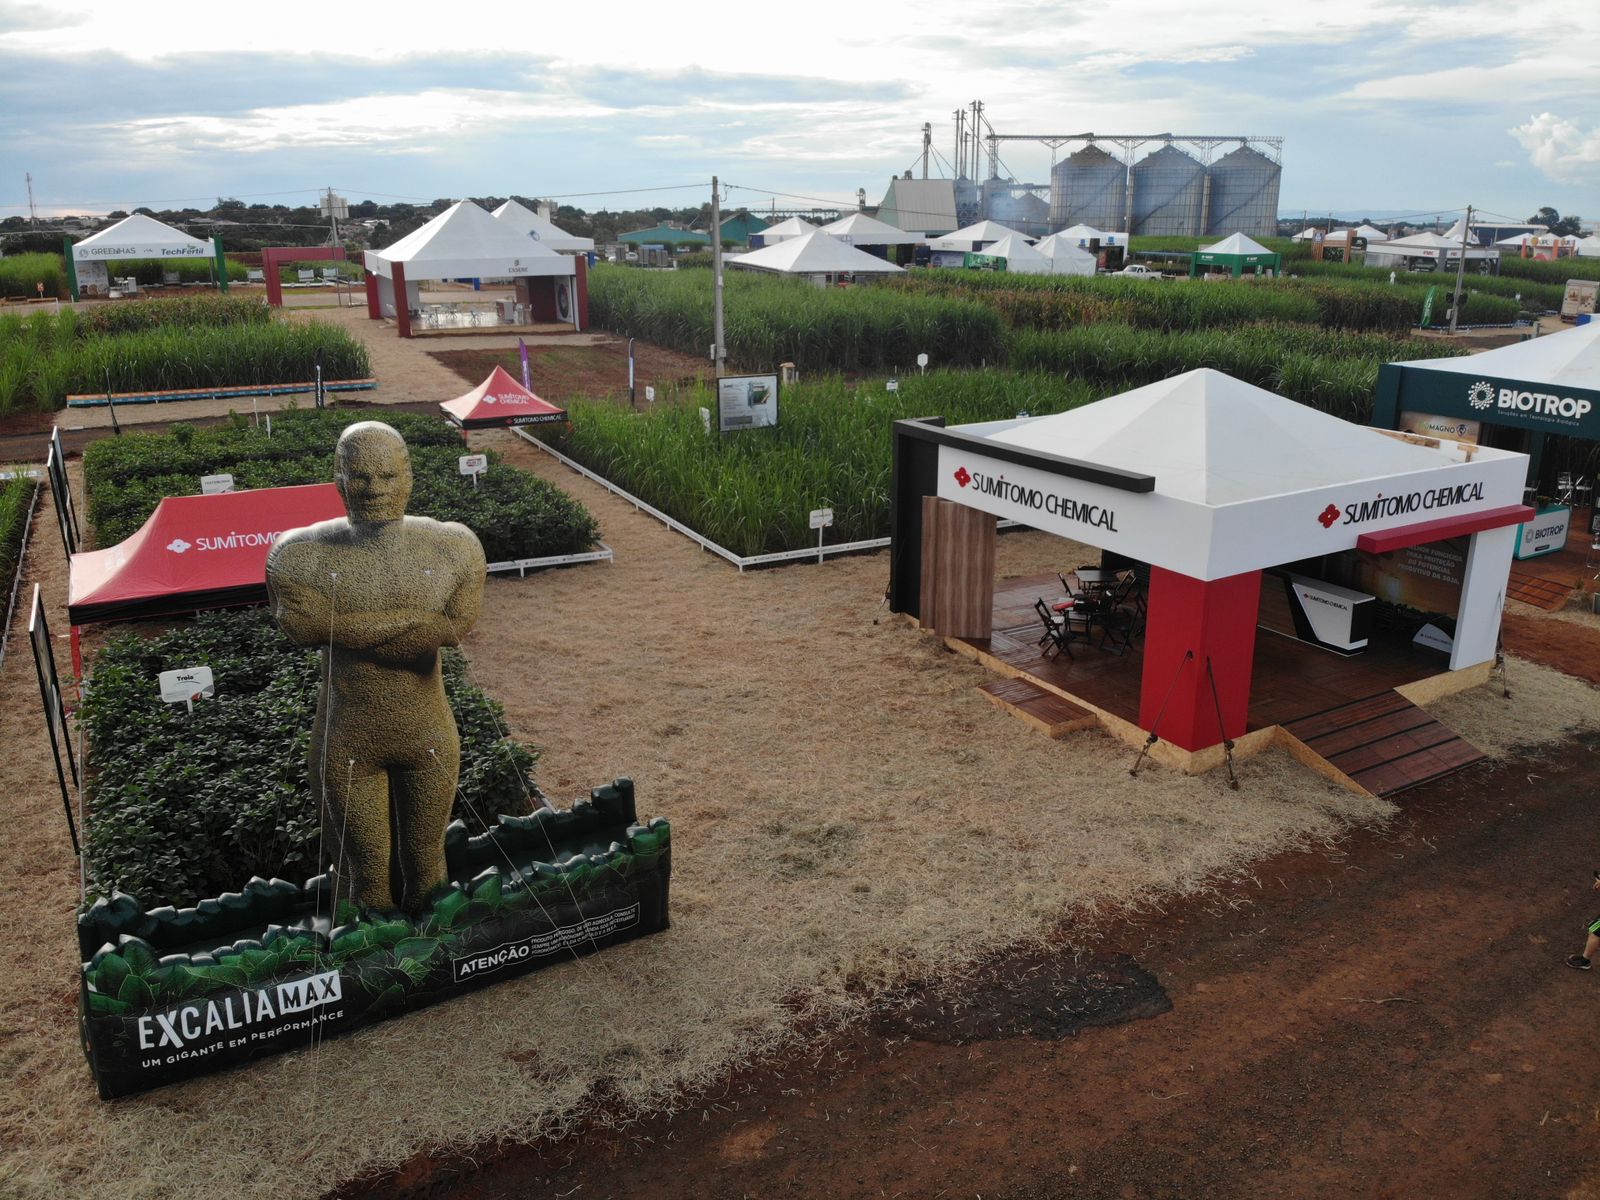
(848, 811)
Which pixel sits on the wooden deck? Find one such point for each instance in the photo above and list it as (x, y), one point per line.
(1341, 712)
(1291, 679)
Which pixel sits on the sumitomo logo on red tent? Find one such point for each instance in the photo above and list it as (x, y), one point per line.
(232, 540)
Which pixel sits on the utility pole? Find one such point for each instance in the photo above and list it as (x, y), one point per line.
(1461, 268)
(717, 351)
(961, 143)
(33, 212)
(927, 144)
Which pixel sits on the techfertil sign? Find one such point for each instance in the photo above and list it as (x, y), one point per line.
(89, 253)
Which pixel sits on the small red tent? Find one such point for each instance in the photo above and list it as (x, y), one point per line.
(500, 400)
(195, 552)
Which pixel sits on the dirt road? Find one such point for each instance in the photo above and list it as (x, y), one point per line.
(1392, 1019)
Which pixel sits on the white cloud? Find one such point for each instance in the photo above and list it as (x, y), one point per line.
(1528, 77)
(1559, 147)
(391, 122)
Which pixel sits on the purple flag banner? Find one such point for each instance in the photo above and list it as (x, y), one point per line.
(527, 381)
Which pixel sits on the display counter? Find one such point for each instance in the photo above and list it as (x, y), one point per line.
(1312, 610)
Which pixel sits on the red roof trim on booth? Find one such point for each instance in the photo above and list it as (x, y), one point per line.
(1386, 540)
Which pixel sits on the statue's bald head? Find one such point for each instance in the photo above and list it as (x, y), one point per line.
(372, 469)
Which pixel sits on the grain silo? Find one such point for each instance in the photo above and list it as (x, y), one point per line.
(1243, 196)
(1168, 189)
(1088, 188)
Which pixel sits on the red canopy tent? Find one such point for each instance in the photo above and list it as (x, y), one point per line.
(501, 400)
(194, 552)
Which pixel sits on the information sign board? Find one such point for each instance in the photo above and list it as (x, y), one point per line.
(747, 402)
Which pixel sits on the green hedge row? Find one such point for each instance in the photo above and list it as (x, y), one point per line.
(21, 274)
(185, 806)
(771, 320)
(15, 497)
(160, 345)
(752, 492)
(1337, 373)
(515, 514)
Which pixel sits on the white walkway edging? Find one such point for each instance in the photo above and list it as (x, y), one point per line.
(523, 565)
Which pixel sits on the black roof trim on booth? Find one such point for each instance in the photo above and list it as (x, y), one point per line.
(1055, 464)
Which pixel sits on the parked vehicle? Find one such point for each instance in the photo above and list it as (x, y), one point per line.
(1139, 271)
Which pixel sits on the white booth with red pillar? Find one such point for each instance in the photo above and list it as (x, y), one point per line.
(1210, 481)
(465, 242)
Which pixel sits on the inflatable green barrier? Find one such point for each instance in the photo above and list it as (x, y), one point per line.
(170, 994)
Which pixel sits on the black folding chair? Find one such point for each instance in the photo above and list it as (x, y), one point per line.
(1058, 633)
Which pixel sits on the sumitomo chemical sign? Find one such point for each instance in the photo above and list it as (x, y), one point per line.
(1144, 525)
(1212, 541)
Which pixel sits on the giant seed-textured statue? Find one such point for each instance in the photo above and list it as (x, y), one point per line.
(380, 593)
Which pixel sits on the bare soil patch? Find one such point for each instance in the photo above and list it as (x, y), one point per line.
(1387, 1019)
(598, 370)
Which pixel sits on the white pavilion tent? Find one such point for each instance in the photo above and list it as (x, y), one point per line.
(1068, 259)
(137, 236)
(1434, 247)
(974, 238)
(465, 242)
(817, 255)
(541, 229)
(858, 229)
(1588, 247)
(1021, 258)
(783, 231)
(1210, 481)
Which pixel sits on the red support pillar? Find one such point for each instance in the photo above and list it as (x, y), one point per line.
(374, 308)
(402, 301)
(1191, 622)
(270, 258)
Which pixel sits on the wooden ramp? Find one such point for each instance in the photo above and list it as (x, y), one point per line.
(1548, 594)
(1045, 711)
(1383, 743)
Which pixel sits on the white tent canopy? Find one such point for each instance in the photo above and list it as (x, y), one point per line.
(1563, 362)
(1078, 234)
(464, 242)
(1236, 243)
(974, 237)
(794, 227)
(1021, 258)
(1308, 234)
(140, 236)
(1589, 247)
(814, 254)
(540, 229)
(1371, 232)
(1068, 259)
(858, 229)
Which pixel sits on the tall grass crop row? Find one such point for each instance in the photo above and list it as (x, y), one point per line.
(1535, 295)
(515, 514)
(1336, 373)
(1554, 272)
(15, 496)
(1338, 301)
(21, 274)
(770, 321)
(184, 311)
(153, 272)
(43, 361)
(753, 491)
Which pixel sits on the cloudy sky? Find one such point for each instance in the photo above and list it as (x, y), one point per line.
(1384, 106)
